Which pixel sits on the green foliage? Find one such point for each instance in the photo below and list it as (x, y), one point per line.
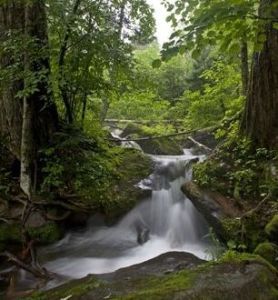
(13, 44)
(139, 106)
(46, 234)
(218, 98)
(102, 177)
(91, 49)
(10, 233)
(201, 23)
(150, 93)
(268, 251)
(238, 170)
(75, 163)
(271, 228)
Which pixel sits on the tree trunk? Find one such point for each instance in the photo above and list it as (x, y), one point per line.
(36, 117)
(260, 119)
(11, 18)
(61, 62)
(244, 67)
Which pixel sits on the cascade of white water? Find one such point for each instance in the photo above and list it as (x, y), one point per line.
(166, 222)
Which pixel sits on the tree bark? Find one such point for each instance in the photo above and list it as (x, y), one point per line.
(260, 119)
(61, 62)
(244, 67)
(31, 123)
(11, 18)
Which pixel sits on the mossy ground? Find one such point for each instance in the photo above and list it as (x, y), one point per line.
(269, 252)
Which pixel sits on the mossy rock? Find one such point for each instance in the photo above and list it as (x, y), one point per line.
(123, 193)
(10, 237)
(269, 252)
(46, 234)
(232, 277)
(10, 233)
(271, 229)
(160, 146)
(132, 129)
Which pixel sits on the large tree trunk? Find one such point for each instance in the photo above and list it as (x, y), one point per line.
(244, 67)
(260, 119)
(11, 18)
(30, 123)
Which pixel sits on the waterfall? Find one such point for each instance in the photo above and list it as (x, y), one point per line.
(167, 221)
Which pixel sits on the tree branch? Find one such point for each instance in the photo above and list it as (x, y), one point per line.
(41, 273)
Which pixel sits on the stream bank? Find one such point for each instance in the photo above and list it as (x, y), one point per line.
(177, 276)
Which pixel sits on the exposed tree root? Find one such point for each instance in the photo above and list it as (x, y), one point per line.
(36, 271)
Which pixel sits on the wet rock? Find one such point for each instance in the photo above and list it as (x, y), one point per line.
(35, 220)
(213, 206)
(126, 192)
(206, 138)
(161, 146)
(16, 211)
(156, 266)
(143, 235)
(239, 277)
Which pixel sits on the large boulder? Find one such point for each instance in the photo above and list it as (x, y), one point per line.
(213, 206)
(177, 276)
(124, 192)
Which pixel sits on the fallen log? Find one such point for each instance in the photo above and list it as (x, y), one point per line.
(199, 144)
(142, 121)
(161, 136)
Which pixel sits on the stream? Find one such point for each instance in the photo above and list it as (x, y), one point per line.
(167, 221)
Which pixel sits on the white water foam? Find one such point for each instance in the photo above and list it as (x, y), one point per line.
(169, 217)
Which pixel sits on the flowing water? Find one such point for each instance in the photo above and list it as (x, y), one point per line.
(167, 221)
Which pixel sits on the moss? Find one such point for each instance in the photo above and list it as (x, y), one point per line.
(271, 228)
(10, 233)
(46, 234)
(122, 194)
(162, 288)
(161, 146)
(212, 280)
(245, 234)
(232, 229)
(73, 288)
(268, 251)
(210, 174)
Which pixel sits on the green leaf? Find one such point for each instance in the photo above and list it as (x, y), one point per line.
(156, 63)
(275, 26)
